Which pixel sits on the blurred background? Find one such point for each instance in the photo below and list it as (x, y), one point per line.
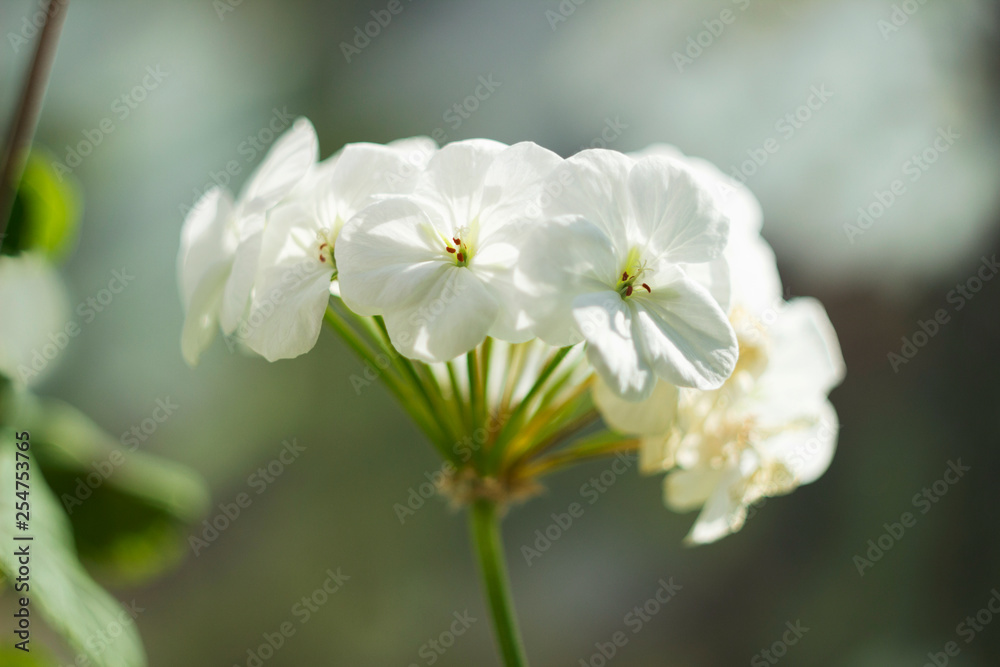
(856, 95)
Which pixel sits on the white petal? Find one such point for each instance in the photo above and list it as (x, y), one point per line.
(686, 490)
(388, 257)
(715, 276)
(236, 298)
(606, 321)
(806, 451)
(452, 317)
(561, 260)
(207, 238)
(594, 184)
(651, 417)
(685, 334)
(495, 267)
(364, 171)
(201, 319)
(512, 192)
(287, 312)
(733, 198)
(756, 285)
(674, 212)
(724, 512)
(286, 164)
(804, 362)
(292, 287)
(454, 177)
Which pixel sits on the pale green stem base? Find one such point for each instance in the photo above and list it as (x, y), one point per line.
(485, 526)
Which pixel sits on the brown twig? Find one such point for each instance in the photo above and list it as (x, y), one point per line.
(22, 125)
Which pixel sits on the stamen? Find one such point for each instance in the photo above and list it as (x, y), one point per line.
(624, 276)
(628, 291)
(461, 257)
(647, 288)
(451, 250)
(457, 241)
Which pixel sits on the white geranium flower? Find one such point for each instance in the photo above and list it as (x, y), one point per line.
(766, 431)
(610, 268)
(439, 264)
(298, 268)
(220, 240)
(34, 316)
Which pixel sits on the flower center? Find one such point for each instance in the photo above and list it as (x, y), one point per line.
(632, 273)
(459, 248)
(325, 239)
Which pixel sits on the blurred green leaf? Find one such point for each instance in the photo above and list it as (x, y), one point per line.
(12, 657)
(128, 509)
(46, 211)
(72, 603)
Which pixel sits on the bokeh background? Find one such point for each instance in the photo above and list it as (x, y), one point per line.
(567, 75)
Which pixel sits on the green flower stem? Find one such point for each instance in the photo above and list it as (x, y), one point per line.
(513, 424)
(423, 383)
(405, 397)
(485, 528)
(603, 443)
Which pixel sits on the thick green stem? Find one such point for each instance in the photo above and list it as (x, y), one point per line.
(486, 537)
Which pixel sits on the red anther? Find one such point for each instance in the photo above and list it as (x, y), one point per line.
(322, 245)
(647, 288)
(461, 257)
(628, 291)
(457, 241)
(624, 276)
(322, 259)
(450, 249)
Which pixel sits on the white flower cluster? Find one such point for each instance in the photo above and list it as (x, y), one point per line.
(652, 260)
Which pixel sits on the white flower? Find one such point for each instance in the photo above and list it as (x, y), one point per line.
(220, 240)
(34, 314)
(610, 267)
(297, 269)
(769, 429)
(439, 264)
